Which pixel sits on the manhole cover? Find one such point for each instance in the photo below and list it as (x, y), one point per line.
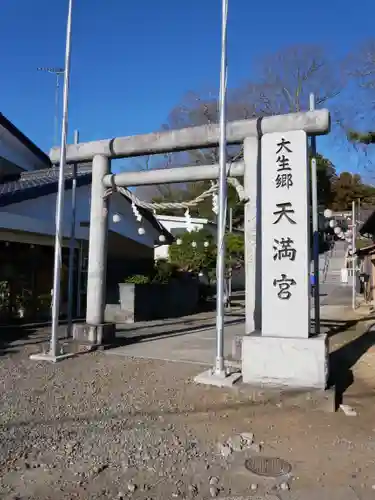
(268, 466)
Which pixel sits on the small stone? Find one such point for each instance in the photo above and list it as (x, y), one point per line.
(214, 491)
(214, 480)
(235, 443)
(284, 486)
(120, 495)
(255, 447)
(70, 447)
(348, 410)
(98, 469)
(225, 450)
(373, 486)
(247, 437)
(193, 489)
(131, 487)
(253, 487)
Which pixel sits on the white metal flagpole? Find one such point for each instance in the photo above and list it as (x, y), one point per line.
(354, 259)
(60, 194)
(222, 201)
(315, 225)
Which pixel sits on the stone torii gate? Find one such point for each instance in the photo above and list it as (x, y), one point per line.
(293, 358)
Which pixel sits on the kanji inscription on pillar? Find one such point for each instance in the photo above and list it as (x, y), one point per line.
(285, 235)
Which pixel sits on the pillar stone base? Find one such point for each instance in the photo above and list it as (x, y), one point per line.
(296, 363)
(104, 333)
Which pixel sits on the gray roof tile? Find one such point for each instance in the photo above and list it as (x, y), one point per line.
(30, 185)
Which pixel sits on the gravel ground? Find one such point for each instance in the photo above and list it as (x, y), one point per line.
(99, 427)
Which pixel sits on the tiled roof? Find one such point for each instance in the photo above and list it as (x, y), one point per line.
(30, 185)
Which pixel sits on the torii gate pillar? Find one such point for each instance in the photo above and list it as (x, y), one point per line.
(95, 331)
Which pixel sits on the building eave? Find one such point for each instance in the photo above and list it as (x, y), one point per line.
(24, 140)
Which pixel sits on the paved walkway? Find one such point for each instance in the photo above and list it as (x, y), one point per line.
(193, 339)
(190, 340)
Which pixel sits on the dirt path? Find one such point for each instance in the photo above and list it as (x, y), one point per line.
(107, 427)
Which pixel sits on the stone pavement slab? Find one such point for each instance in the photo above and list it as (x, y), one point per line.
(189, 340)
(189, 344)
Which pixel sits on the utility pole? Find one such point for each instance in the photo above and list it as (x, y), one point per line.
(359, 210)
(315, 224)
(60, 195)
(222, 201)
(72, 242)
(354, 263)
(58, 72)
(230, 269)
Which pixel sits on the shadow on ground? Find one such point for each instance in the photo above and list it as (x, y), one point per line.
(332, 327)
(14, 336)
(128, 336)
(266, 401)
(343, 359)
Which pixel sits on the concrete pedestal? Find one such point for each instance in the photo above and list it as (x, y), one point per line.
(209, 377)
(94, 334)
(285, 362)
(46, 356)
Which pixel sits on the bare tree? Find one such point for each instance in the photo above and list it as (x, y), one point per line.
(284, 80)
(152, 162)
(360, 67)
(196, 110)
(282, 84)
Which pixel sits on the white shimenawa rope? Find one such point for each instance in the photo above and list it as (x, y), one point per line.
(154, 206)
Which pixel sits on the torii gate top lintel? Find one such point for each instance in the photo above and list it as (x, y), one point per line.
(312, 122)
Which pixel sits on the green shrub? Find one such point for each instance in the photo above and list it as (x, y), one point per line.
(164, 272)
(137, 279)
(197, 252)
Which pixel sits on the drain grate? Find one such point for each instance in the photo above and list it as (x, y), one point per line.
(268, 466)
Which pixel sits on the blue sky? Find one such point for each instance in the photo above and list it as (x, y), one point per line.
(132, 62)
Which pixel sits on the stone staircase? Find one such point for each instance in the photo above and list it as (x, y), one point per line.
(331, 263)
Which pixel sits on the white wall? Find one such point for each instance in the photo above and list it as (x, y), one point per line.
(170, 223)
(14, 151)
(128, 226)
(177, 224)
(38, 216)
